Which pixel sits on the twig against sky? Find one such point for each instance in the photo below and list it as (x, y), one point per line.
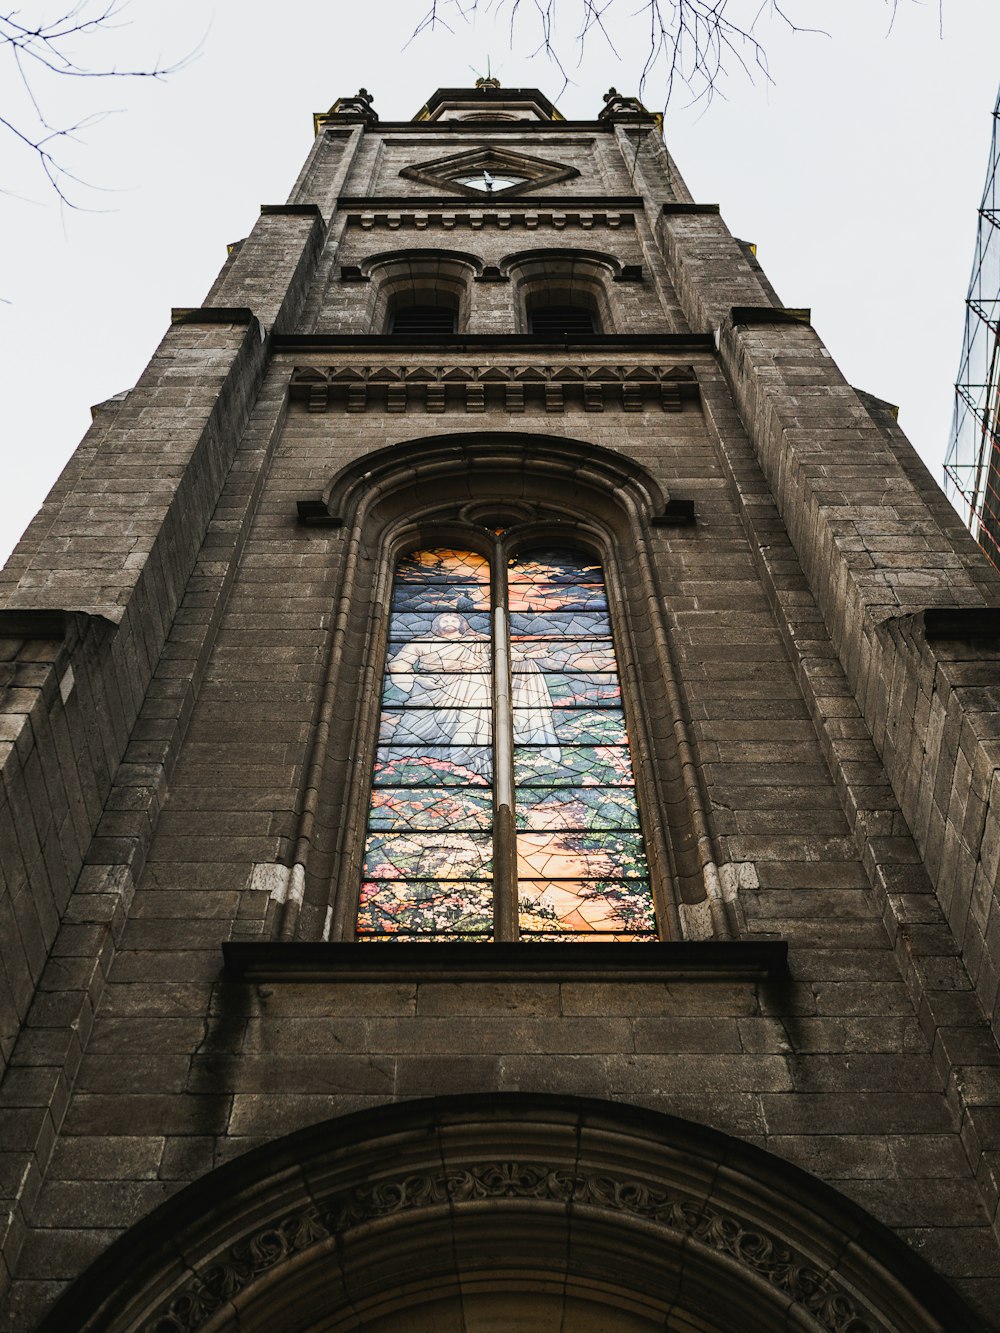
(692, 44)
(40, 50)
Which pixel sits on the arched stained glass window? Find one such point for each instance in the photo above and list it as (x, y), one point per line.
(503, 802)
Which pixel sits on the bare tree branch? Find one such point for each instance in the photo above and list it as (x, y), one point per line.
(692, 44)
(46, 49)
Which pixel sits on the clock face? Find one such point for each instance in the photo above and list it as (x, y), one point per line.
(488, 183)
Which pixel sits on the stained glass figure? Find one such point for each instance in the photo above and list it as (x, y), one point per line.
(579, 855)
(581, 864)
(428, 857)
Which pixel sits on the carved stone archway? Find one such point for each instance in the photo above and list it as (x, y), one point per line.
(488, 1213)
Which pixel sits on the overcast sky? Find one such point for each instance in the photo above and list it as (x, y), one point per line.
(857, 171)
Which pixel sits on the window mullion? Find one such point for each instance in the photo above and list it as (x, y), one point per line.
(504, 838)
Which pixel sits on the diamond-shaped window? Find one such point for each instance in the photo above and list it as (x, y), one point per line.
(489, 171)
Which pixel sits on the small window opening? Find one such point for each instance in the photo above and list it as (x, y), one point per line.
(556, 321)
(427, 319)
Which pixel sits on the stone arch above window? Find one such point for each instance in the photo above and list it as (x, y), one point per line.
(456, 490)
(503, 1209)
(423, 291)
(560, 291)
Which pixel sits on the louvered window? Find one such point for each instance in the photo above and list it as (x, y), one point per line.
(432, 320)
(557, 321)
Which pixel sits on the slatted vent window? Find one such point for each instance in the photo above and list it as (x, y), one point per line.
(557, 321)
(432, 320)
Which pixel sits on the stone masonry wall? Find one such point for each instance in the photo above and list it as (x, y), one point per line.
(153, 742)
(834, 1071)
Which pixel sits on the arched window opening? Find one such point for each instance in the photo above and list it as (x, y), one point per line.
(555, 321)
(562, 294)
(503, 801)
(420, 292)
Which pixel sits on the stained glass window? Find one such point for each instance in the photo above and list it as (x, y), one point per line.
(503, 773)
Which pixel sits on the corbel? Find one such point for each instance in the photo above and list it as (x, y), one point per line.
(514, 397)
(593, 397)
(314, 514)
(676, 514)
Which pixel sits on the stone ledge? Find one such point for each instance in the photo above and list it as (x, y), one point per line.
(974, 622)
(212, 314)
(45, 623)
(487, 342)
(450, 202)
(714, 960)
(678, 208)
(291, 210)
(768, 314)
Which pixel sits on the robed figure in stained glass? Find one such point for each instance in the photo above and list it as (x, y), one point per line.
(446, 680)
(560, 743)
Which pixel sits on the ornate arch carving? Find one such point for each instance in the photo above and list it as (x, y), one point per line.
(582, 1206)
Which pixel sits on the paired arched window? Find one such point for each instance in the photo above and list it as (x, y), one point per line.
(503, 802)
(431, 293)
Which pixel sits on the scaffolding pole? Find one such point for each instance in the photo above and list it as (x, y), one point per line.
(972, 463)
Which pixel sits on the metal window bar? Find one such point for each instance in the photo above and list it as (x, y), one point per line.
(557, 321)
(423, 319)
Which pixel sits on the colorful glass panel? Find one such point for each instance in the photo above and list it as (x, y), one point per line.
(429, 853)
(581, 864)
(580, 861)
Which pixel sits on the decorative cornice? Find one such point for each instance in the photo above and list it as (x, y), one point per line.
(412, 201)
(456, 217)
(470, 344)
(475, 388)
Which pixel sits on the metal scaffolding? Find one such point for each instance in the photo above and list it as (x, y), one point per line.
(972, 465)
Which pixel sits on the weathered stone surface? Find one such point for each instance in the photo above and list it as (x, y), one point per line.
(188, 678)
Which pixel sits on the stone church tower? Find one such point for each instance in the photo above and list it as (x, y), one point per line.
(500, 805)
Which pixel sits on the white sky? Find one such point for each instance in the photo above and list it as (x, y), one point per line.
(858, 172)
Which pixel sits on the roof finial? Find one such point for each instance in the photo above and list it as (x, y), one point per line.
(488, 81)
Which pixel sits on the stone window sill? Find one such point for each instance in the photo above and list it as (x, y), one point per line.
(709, 960)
